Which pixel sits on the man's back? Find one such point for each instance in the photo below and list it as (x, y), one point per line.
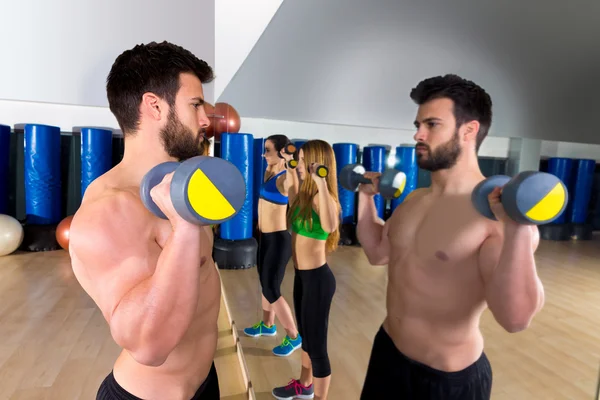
(115, 248)
(435, 293)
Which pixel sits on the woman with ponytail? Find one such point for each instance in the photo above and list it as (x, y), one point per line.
(314, 216)
(275, 245)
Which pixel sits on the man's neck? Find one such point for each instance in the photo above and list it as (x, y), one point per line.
(459, 179)
(141, 156)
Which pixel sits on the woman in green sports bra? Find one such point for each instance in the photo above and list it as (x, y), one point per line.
(314, 217)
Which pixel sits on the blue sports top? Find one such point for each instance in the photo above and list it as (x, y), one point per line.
(269, 191)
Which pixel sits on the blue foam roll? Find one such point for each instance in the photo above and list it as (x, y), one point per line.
(237, 148)
(96, 155)
(299, 143)
(562, 168)
(345, 153)
(406, 161)
(4, 166)
(42, 174)
(374, 161)
(260, 166)
(581, 190)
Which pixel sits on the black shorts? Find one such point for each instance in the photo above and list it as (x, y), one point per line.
(392, 375)
(111, 390)
(274, 252)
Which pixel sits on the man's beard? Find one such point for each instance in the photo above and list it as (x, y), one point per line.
(179, 141)
(443, 157)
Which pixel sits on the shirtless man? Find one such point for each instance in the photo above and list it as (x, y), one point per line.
(154, 280)
(446, 262)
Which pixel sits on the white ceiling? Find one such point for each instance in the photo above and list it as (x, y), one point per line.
(354, 62)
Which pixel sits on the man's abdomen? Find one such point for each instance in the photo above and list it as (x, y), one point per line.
(189, 363)
(178, 378)
(446, 344)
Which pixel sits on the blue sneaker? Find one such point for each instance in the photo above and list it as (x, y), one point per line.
(261, 329)
(288, 346)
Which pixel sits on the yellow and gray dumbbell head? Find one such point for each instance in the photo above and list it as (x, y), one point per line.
(204, 190)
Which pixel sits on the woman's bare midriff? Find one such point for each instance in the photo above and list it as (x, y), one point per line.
(308, 253)
(271, 217)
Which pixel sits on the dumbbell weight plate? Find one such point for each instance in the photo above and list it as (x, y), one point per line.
(207, 190)
(534, 198)
(348, 178)
(288, 149)
(479, 196)
(151, 179)
(392, 183)
(322, 171)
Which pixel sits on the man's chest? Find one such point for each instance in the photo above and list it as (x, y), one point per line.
(437, 232)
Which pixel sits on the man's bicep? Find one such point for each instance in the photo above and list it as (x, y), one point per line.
(383, 246)
(536, 238)
(108, 255)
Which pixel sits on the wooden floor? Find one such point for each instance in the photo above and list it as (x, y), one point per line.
(54, 342)
(558, 357)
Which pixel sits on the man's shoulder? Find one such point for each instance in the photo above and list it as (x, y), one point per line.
(112, 197)
(416, 193)
(113, 207)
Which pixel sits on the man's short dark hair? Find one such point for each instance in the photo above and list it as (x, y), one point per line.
(153, 67)
(471, 102)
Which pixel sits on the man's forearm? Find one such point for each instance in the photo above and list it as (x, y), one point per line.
(157, 313)
(515, 292)
(369, 227)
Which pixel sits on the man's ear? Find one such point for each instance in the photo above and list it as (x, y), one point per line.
(152, 106)
(470, 131)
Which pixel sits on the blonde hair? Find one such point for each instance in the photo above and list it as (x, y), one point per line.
(320, 152)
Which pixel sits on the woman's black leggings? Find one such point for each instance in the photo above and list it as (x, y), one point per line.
(274, 252)
(313, 293)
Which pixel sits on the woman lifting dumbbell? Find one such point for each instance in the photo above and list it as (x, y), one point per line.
(314, 216)
(275, 247)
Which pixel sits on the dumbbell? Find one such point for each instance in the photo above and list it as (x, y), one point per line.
(322, 171)
(290, 149)
(204, 190)
(391, 182)
(529, 198)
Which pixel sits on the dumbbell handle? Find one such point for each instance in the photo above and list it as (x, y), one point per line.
(361, 179)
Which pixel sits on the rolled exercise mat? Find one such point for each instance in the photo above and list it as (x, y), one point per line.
(96, 155)
(581, 193)
(299, 143)
(346, 153)
(406, 161)
(260, 166)
(374, 161)
(595, 208)
(4, 167)
(560, 228)
(236, 248)
(42, 187)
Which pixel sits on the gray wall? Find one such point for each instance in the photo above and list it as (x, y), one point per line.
(353, 62)
(61, 51)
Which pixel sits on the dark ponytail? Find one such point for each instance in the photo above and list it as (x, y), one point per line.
(279, 141)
